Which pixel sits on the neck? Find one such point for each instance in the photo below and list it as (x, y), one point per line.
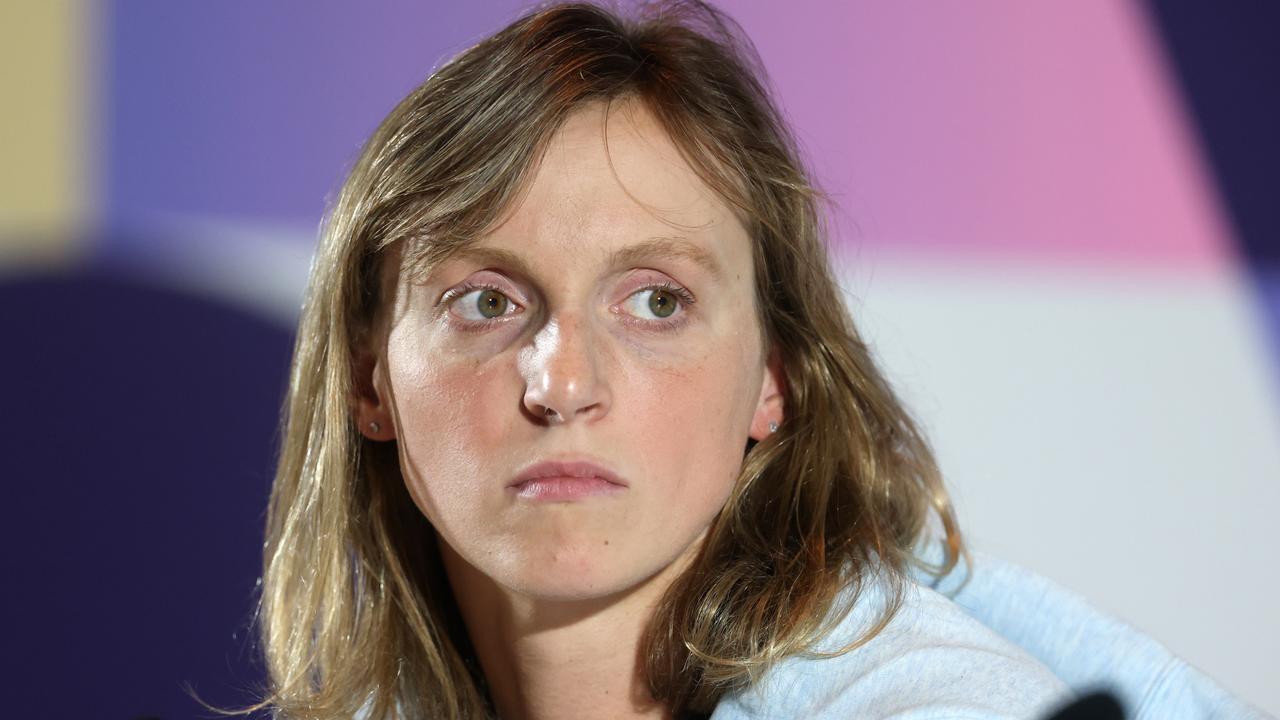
(555, 659)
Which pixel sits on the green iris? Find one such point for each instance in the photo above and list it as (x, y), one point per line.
(492, 303)
(662, 303)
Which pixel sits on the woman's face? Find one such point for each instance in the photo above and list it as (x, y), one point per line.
(583, 329)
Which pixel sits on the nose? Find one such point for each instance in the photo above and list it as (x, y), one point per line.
(563, 374)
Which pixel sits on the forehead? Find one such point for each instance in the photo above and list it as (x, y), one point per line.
(611, 178)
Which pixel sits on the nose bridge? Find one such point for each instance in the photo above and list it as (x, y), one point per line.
(564, 370)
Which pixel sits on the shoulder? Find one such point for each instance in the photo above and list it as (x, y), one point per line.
(932, 661)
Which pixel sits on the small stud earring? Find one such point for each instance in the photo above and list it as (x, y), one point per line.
(374, 426)
(773, 426)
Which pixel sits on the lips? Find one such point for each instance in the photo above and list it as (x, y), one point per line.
(566, 469)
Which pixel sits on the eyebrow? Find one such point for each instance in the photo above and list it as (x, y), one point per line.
(667, 247)
(636, 253)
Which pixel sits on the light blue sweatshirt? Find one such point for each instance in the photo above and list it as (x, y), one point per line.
(1009, 644)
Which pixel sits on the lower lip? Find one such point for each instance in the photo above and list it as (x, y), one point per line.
(551, 489)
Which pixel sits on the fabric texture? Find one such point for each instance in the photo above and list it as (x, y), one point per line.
(932, 662)
(1087, 648)
(1005, 644)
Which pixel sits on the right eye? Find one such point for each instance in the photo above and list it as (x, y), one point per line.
(482, 303)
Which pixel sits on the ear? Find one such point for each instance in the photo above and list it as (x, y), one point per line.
(771, 404)
(372, 408)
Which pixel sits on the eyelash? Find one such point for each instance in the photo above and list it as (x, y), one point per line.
(686, 299)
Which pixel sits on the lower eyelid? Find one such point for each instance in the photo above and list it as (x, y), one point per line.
(655, 326)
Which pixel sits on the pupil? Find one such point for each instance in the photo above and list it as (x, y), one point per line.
(661, 303)
(492, 303)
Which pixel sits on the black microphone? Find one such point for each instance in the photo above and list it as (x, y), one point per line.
(1099, 705)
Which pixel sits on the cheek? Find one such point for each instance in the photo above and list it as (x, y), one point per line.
(453, 421)
(690, 417)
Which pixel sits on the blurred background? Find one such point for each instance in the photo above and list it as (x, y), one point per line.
(1056, 222)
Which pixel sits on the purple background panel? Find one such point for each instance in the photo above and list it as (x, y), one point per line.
(252, 111)
(1267, 279)
(143, 457)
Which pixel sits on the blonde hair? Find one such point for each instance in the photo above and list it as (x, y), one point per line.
(355, 612)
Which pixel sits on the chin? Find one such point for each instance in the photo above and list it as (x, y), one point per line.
(572, 573)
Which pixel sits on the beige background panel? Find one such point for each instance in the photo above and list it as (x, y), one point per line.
(45, 173)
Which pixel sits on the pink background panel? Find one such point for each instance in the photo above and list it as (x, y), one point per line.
(995, 130)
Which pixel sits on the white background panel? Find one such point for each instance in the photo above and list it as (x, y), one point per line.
(1114, 432)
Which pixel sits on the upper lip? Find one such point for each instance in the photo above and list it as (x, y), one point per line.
(567, 468)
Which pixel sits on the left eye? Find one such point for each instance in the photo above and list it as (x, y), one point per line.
(483, 304)
(659, 303)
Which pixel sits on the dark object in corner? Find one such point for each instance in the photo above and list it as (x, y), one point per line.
(1094, 706)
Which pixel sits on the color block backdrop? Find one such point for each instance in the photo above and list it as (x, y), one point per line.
(1056, 222)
